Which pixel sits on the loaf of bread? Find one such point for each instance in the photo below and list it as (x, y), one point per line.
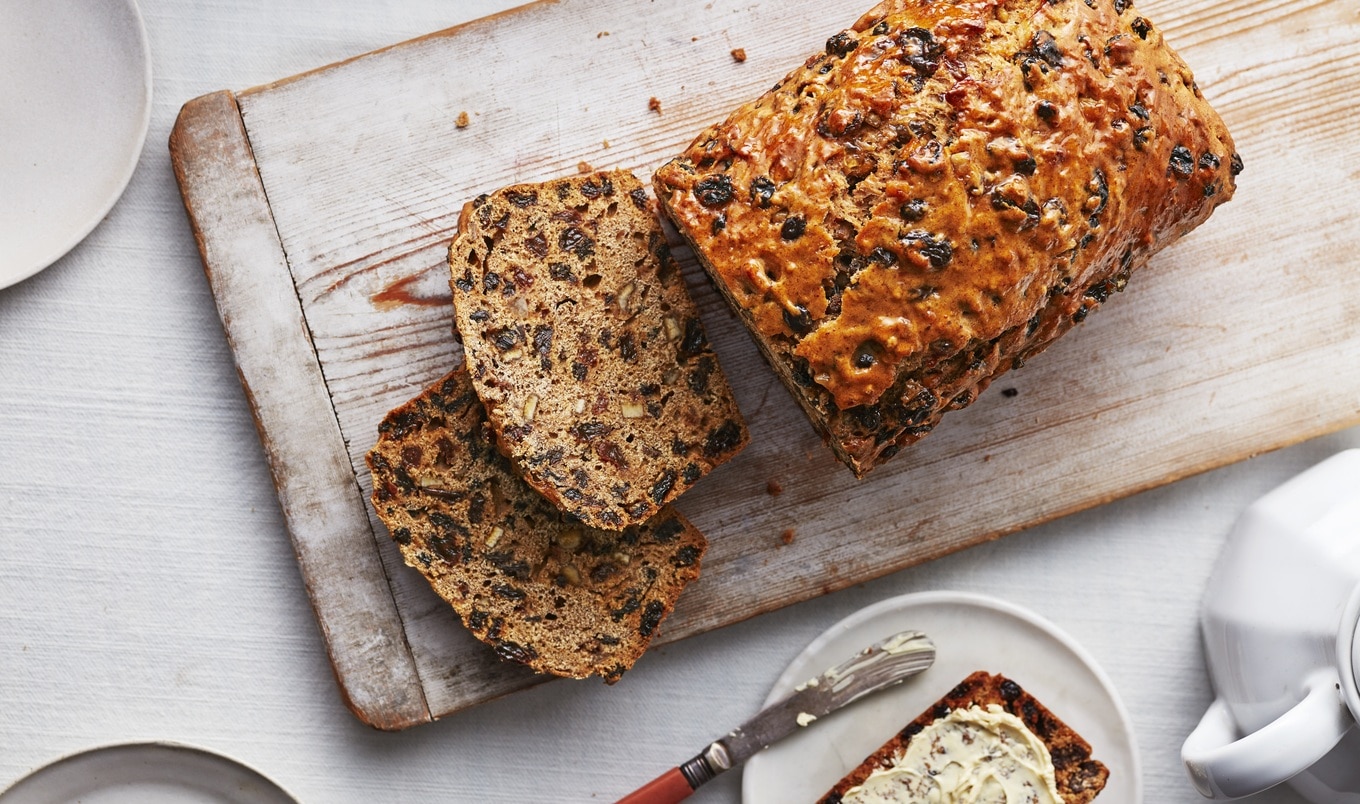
(984, 739)
(537, 585)
(587, 349)
(940, 194)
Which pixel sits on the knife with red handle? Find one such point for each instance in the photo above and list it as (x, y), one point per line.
(875, 668)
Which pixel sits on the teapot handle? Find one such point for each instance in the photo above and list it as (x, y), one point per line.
(1222, 766)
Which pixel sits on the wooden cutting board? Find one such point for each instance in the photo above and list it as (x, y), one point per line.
(323, 205)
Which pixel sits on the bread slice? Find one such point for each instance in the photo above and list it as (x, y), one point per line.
(535, 584)
(586, 348)
(940, 194)
(1079, 777)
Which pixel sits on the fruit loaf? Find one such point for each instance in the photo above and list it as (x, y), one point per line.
(586, 348)
(984, 734)
(940, 194)
(537, 585)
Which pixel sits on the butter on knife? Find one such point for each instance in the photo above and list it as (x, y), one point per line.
(877, 667)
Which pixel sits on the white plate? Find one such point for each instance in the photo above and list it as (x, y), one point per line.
(75, 102)
(970, 632)
(146, 773)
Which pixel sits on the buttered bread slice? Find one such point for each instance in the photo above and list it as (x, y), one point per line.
(987, 738)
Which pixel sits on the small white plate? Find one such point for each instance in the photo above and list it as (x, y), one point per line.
(75, 103)
(971, 632)
(146, 773)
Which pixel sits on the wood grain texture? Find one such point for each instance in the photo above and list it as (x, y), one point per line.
(267, 332)
(1228, 345)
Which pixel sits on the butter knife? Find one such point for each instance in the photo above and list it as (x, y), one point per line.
(875, 668)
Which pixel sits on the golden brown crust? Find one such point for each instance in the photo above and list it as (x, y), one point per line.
(1080, 778)
(940, 194)
(534, 584)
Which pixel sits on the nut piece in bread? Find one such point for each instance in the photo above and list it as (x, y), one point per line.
(538, 586)
(586, 348)
(940, 194)
(1076, 776)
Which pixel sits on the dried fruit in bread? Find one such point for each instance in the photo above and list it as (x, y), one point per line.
(587, 349)
(940, 194)
(538, 586)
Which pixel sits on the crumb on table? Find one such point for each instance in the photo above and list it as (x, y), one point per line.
(654, 104)
(773, 488)
(602, 34)
(787, 536)
(1010, 393)
(462, 120)
(584, 167)
(605, 143)
(739, 54)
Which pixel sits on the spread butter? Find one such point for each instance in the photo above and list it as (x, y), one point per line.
(970, 756)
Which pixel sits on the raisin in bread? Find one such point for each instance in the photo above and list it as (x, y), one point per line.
(940, 194)
(535, 584)
(1078, 778)
(586, 348)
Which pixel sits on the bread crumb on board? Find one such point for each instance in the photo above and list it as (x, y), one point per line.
(739, 54)
(462, 120)
(584, 167)
(605, 143)
(774, 488)
(787, 536)
(654, 104)
(602, 34)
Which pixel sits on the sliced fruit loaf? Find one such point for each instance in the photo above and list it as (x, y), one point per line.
(941, 193)
(986, 744)
(535, 584)
(586, 348)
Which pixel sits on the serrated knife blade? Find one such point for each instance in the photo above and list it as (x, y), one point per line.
(877, 667)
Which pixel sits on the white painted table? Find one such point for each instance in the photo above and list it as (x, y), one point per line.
(148, 589)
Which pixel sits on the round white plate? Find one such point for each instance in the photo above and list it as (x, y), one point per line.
(146, 773)
(970, 632)
(75, 102)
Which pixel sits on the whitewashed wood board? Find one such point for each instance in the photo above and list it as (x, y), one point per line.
(324, 203)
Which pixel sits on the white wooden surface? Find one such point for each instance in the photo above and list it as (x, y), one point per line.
(365, 170)
(148, 589)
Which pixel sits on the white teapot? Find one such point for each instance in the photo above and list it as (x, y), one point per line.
(1279, 624)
